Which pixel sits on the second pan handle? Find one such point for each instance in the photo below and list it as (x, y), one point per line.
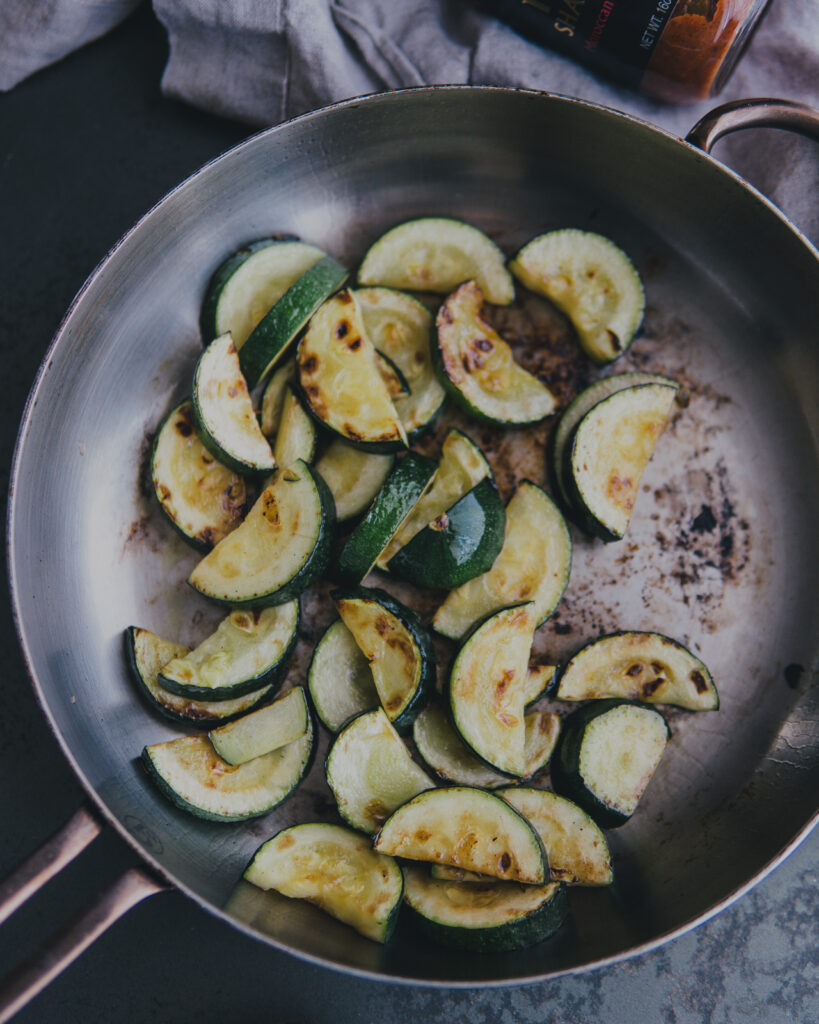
(756, 113)
(133, 886)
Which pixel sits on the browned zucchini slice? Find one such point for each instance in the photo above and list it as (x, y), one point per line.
(340, 379)
(487, 688)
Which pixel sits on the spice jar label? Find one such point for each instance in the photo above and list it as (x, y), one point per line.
(672, 49)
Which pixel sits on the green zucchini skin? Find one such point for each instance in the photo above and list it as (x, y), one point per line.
(526, 930)
(296, 434)
(389, 509)
(221, 276)
(576, 847)
(534, 526)
(411, 621)
(394, 259)
(575, 510)
(468, 691)
(229, 498)
(365, 799)
(461, 466)
(205, 714)
(178, 800)
(272, 676)
(341, 379)
(574, 461)
(310, 570)
(456, 547)
(581, 272)
(466, 827)
(354, 477)
(561, 437)
(336, 869)
(252, 455)
(565, 767)
(339, 679)
(507, 395)
(445, 753)
(647, 647)
(399, 326)
(264, 731)
(277, 329)
(320, 557)
(540, 682)
(393, 377)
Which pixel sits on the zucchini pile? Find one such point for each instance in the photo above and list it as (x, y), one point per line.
(289, 467)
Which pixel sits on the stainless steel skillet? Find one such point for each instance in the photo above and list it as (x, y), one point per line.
(733, 292)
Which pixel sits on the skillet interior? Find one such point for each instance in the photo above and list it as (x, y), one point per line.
(732, 296)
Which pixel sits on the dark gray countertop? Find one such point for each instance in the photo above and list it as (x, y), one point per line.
(87, 147)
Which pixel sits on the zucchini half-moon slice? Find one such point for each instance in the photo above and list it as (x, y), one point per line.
(436, 254)
(296, 433)
(538, 680)
(458, 545)
(592, 281)
(606, 755)
(465, 828)
(340, 679)
(370, 771)
(396, 500)
(340, 378)
(282, 546)
(249, 649)
(485, 916)
(478, 369)
(256, 734)
(398, 649)
(576, 847)
(202, 499)
(461, 467)
(400, 328)
(270, 412)
(612, 446)
(442, 749)
(563, 433)
(354, 477)
(245, 286)
(640, 666)
(336, 869)
(146, 654)
(533, 565)
(190, 773)
(223, 411)
(487, 688)
(393, 377)
(271, 339)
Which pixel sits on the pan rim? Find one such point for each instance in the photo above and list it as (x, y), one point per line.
(25, 423)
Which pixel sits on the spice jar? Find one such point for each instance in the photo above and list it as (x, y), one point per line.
(675, 50)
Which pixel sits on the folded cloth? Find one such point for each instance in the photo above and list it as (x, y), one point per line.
(266, 60)
(262, 61)
(34, 33)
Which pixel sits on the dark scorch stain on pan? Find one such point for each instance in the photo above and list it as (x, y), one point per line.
(793, 674)
(138, 531)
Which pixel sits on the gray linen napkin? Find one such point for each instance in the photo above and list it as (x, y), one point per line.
(34, 33)
(262, 61)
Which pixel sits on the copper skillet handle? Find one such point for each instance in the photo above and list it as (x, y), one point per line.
(759, 113)
(32, 976)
